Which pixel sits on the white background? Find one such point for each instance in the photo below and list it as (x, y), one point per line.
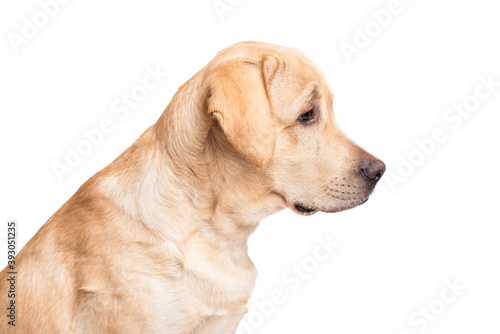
(397, 250)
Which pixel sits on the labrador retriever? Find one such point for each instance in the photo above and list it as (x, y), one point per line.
(156, 242)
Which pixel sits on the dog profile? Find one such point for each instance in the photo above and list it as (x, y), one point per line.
(156, 242)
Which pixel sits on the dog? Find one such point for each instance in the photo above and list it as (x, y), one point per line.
(156, 242)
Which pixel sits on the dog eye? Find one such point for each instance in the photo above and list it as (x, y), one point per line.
(307, 117)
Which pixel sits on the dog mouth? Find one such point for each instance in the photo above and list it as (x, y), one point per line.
(304, 209)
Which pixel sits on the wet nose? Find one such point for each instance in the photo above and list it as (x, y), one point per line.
(372, 169)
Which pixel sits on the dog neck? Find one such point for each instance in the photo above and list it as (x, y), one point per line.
(188, 178)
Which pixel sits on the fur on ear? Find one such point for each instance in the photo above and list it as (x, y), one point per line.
(239, 98)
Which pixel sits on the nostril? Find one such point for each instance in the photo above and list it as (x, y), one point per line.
(373, 169)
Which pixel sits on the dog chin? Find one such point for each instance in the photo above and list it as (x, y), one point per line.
(306, 210)
(346, 206)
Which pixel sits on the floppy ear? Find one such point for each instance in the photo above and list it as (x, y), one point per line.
(240, 101)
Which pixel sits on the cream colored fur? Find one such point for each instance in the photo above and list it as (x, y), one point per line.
(156, 242)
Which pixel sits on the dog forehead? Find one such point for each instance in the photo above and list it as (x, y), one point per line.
(297, 74)
(299, 81)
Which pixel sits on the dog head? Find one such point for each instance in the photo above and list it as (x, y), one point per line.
(276, 109)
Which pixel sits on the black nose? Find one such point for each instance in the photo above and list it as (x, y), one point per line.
(373, 169)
